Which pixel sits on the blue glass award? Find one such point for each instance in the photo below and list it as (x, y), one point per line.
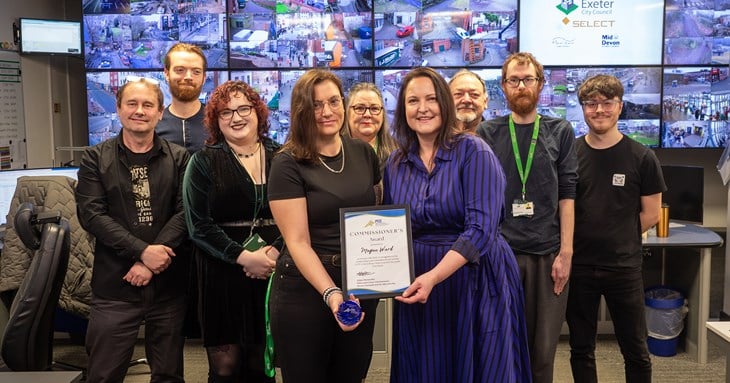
(349, 313)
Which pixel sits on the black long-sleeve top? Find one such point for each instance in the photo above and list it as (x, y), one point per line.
(553, 177)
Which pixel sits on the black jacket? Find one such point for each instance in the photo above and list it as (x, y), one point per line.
(106, 209)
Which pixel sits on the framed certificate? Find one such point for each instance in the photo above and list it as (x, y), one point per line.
(377, 251)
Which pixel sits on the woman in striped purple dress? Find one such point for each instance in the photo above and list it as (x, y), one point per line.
(461, 320)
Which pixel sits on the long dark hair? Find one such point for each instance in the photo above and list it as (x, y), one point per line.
(302, 140)
(404, 136)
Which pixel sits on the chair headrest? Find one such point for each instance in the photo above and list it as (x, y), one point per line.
(28, 224)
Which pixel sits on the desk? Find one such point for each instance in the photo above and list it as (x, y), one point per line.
(40, 377)
(719, 334)
(698, 292)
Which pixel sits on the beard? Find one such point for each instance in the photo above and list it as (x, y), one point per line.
(466, 115)
(186, 93)
(522, 102)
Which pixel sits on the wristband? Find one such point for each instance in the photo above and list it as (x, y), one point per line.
(328, 293)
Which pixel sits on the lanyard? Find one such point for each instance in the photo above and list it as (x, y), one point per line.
(524, 172)
(269, 368)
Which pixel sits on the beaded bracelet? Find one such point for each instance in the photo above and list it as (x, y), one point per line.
(328, 293)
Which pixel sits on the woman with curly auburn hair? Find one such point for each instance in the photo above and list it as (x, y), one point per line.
(224, 194)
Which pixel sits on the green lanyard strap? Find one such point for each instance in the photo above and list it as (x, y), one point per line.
(524, 172)
(269, 368)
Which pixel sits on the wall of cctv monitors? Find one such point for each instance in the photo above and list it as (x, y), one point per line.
(672, 56)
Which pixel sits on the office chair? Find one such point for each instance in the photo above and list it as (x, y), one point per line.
(50, 193)
(27, 344)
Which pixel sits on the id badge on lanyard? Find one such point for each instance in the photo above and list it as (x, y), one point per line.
(521, 207)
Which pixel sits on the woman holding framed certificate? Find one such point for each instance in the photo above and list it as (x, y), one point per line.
(317, 172)
(461, 320)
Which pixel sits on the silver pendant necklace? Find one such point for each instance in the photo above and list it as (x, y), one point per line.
(342, 148)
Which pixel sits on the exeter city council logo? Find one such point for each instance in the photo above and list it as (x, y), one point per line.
(566, 6)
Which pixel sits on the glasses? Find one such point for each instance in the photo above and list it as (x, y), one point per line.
(607, 105)
(361, 109)
(334, 103)
(133, 78)
(243, 111)
(514, 82)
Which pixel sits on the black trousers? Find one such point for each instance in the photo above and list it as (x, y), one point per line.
(112, 334)
(308, 342)
(624, 294)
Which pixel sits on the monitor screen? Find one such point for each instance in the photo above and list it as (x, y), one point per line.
(572, 32)
(685, 192)
(9, 179)
(640, 116)
(272, 85)
(669, 55)
(695, 107)
(101, 90)
(54, 37)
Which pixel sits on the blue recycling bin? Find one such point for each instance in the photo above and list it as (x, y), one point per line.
(665, 312)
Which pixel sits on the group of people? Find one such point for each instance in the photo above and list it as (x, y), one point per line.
(504, 212)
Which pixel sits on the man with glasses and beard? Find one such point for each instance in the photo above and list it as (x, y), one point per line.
(470, 98)
(539, 161)
(182, 121)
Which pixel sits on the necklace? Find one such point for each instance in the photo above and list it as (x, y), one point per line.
(342, 148)
(249, 155)
(253, 167)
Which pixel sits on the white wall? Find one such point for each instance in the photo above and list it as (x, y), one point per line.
(45, 82)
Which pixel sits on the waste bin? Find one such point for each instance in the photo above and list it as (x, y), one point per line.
(665, 312)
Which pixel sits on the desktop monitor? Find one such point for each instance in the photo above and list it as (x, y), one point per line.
(51, 37)
(591, 33)
(685, 192)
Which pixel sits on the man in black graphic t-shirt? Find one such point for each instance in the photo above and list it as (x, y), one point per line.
(619, 195)
(129, 197)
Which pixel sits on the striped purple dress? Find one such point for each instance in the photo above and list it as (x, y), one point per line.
(472, 328)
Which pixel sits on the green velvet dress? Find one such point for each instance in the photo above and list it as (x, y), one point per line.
(220, 201)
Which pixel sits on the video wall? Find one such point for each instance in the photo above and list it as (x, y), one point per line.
(672, 56)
